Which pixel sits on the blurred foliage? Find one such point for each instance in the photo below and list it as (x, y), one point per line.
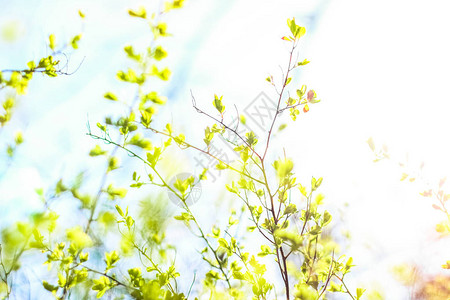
(11, 31)
(435, 288)
(424, 286)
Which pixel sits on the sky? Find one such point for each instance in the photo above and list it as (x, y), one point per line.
(380, 68)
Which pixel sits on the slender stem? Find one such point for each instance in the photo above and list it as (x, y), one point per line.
(343, 283)
(110, 277)
(192, 284)
(186, 144)
(224, 125)
(279, 100)
(186, 207)
(97, 197)
(155, 266)
(328, 276)
(282, 258)
(308, 202)
(210, 247)
(286, 275)
(279, 250)
(254, 221)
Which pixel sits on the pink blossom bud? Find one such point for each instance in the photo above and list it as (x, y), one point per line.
(310, 95)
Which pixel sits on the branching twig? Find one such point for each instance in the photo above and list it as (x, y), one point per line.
(194, 104)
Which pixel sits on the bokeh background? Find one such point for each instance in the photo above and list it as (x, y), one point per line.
(380, 67)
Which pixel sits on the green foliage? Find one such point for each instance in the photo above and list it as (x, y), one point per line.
(297, 31)
(159, 53)
(218, 104)
(284, 217)
(14, 84)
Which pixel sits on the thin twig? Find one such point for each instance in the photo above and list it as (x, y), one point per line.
(224, 125)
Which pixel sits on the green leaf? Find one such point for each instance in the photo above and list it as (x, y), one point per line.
(326, 218)
(243, 184)
(152, 158)
(297, 31)
(113, 163)
(313, 183)
(208, 136)
(114, 192)
(317, 183)
(18, 139)
(131, 76)
(146, 117)
(283, 167)
(265, 250)
(319, 199)
(96, 151)
(215, 231)
(163, 75)
(251, 138)
(139, 141)
(232, 189)
(51, 40)
(301, 92)
(183, 185)
(49, 287)
(168, 143)
(232, 221)
(180, 139)
(238, 275)
(101, 285)
(222, 242)
(186, 217)
(102, 127)
(306, 292)
(304, 62)
(140, 13)
(258, 268)
(31, 64)
(75, 40)
(84, 257)
(290, 209)
(160, 53)
(78, 238)
(154, 97)
(282, 127)
(218, 104)
(244, 154)
(131, 54)
(169, 128)
(61, 280)
(161, 29)
(359, 293)
(300, 31)
(221, 166)
(292, 26)
(315, 230)
(348, 265)
(129, 221)
(243, 119)
(111, 258)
